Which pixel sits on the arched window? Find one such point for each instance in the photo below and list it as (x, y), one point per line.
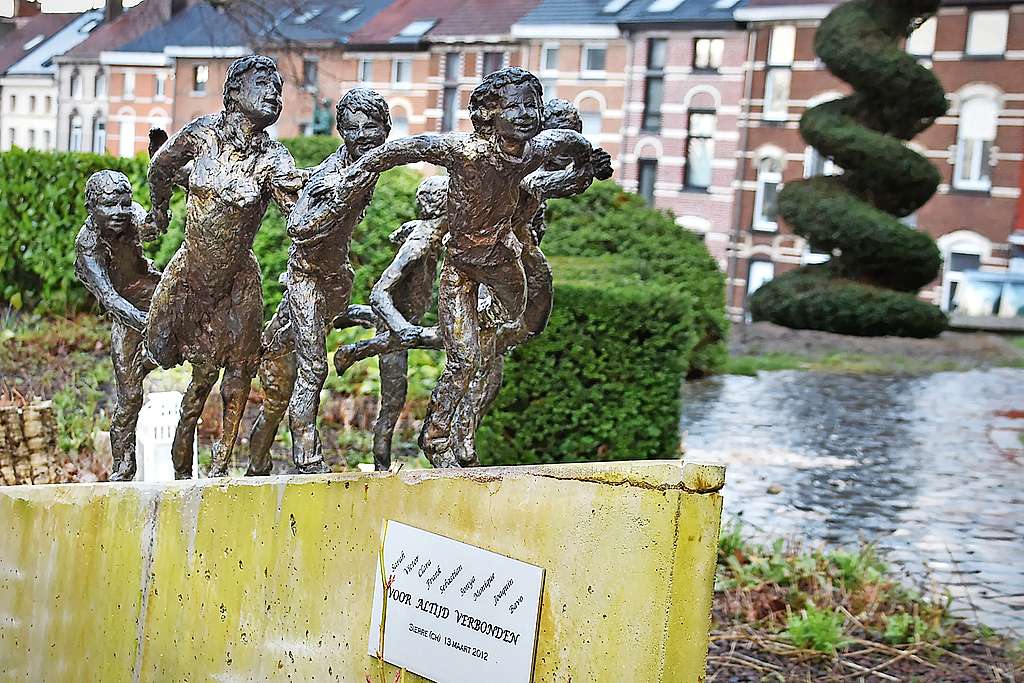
(75, 133)
(759, 271)
(962, 252)
(76, 85)
(99, 135)
(975, 137)
(126, 136)
(100, 84)
(399, 123)
(590, 114)
(700, 148)
(766, 201)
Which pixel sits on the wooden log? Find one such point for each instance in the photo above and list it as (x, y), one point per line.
(6, 452)
(40, 428)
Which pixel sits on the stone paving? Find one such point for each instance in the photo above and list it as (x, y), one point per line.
(931, 468)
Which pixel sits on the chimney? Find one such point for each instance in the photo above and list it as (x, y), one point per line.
(112, 9)
(26, 8)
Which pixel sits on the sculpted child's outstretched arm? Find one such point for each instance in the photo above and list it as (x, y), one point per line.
(421, 243)
(570, 181)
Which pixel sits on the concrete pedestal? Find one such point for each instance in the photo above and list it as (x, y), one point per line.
(272, 579)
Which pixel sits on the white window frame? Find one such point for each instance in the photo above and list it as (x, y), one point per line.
(811, 157)
(75, 142)
(160, 87)
(365, 69)
(76, 85)
(129, 85)
(588, 73)
(776, 114)
(979, 178)
(690, 137)
(195, 78)
(711, 68)
(126, 137)
(763, 179)
(396, 131)
(750, 271)
(544, 58)
(921, 43)
(99, 142)
(972, 40)
(99, 84)
(395, 83)
(779, 53)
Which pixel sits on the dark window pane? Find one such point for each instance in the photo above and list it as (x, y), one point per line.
(648, 173)
(451, 108)
(960, 263)
(656, 51)
(451, 67)
(653, 98)
(492, 62)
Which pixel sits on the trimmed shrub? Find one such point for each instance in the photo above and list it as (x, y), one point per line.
(42, 206)
(869, 287)
(603, 381)
(608, 220)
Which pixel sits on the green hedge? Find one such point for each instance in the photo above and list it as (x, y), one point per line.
(608, 220)
(42, 206)
(603, 381)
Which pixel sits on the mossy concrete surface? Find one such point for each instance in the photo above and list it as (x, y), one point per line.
(272, 579)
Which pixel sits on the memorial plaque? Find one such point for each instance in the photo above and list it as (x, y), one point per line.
(455, 613)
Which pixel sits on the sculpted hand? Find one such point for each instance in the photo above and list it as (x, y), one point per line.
(155, 225)
(410, 334)
(601, 164)
(135, 319)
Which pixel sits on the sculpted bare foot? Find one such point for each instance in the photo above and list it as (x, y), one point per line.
(318, 467)
(123, 471)
(219, 467)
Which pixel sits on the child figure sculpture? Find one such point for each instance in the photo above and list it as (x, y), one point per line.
(399, 300)
(110, 263)
(485, 169)
(319, 284)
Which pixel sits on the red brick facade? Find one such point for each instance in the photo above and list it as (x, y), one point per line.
(971, 219)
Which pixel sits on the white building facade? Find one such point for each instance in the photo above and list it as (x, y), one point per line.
(30, 90)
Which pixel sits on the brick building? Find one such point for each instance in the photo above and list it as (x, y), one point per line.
(683, 96)
(426, 56)
(577, 50)
(89, 81)
(28, 86)
(198, 44)
(976, 49)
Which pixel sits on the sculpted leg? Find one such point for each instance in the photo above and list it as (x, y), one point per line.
(234, 392)
(507, 285)
(309, 333)
(129, 370)
(394, 386)
(182, 449)
(277, 377)
(460, 330)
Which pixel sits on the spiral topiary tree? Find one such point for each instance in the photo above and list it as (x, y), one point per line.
(878, 264)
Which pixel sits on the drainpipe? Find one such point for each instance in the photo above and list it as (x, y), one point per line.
(741, 172)
(629, 36)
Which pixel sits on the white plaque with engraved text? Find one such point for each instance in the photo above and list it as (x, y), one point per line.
(455, 613)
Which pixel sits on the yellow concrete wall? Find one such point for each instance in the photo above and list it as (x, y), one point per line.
(272, 579)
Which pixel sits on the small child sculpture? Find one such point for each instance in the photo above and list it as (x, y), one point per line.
(110, 263)
(400, 299)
